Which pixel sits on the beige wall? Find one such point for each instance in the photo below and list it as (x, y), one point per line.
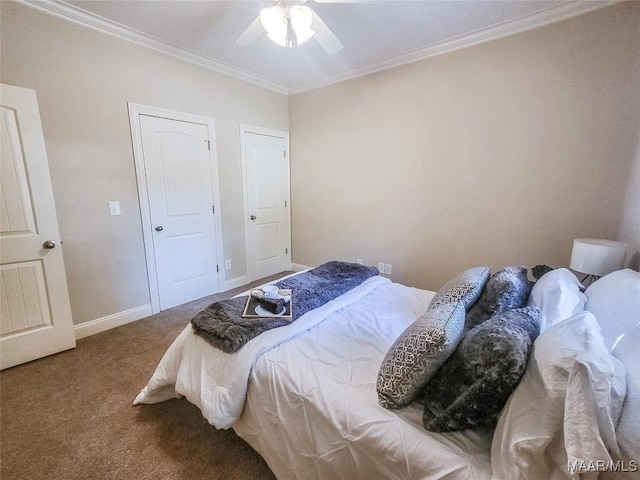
(630, 225)
(498, 154)
(84, 80)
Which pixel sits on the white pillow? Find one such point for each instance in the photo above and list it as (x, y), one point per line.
(565, 408)
(628, 352)
(558, 295)
(615, 301)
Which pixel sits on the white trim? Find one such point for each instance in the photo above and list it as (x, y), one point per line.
(297, 267)
(103, 324)
(244, 129)
(538, 19)
(78, 16)
(232, 283)
(135, 110)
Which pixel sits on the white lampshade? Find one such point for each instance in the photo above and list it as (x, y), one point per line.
(597, 257)
(275, 20)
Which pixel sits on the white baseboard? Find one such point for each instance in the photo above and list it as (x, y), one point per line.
(297, 267)
(111, 321)
(234, 283)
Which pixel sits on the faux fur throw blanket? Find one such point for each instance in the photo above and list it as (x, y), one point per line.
(222, 325)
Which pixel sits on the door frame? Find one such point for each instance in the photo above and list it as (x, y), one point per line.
(244, 129)
(135, 111)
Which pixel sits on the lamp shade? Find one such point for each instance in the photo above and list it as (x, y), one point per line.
(597, 257)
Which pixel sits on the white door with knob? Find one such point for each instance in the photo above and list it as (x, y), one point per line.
(35, 320)
(265, 168)
(178, 179)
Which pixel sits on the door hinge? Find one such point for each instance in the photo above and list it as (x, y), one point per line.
(284, 153)
(213, 209)
(285, 204)
(208, 142)
(286, 251)
(217, 269)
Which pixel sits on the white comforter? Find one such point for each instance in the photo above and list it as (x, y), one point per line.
(304, 395)
(312, 410)
(216, 381)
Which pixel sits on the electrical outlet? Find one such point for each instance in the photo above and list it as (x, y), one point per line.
(381, 267)
(359, 261)
(387, 269)
(114, 208)
(227, 264)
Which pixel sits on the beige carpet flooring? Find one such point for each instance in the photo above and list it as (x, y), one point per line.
(70, 415)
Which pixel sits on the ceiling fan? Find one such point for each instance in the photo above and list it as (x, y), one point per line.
(289, 23)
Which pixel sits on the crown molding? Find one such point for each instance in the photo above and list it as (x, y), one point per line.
(548, 16)
(75, 15)
(505, 29)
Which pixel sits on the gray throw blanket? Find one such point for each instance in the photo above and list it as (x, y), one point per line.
(222, 325)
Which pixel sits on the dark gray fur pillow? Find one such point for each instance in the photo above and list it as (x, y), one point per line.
(465, 288)
(473, 385)
(505, 290)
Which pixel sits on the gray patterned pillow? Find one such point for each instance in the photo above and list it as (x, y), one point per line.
(465, 288)
(472, 387)
(417, 353)
(506, 289)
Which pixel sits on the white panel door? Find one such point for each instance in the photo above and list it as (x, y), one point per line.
(266, 165)
(35, 317)
(178, 169)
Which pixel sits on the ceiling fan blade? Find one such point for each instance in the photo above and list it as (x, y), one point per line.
(325, 37)
(251, 34)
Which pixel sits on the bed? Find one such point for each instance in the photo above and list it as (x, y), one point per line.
(307, 395)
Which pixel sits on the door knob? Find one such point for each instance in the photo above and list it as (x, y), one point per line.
(159, 228)
(49, 244)
(252, 217)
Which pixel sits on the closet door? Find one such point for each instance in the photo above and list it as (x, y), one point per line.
(179, 170)
(265, 163)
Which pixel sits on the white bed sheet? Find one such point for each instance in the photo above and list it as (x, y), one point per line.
(312, 409)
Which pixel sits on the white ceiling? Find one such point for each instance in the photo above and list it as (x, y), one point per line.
(376, 34)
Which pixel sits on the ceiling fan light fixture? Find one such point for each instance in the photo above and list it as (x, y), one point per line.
(287, 26)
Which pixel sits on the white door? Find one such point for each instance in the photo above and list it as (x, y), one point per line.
(267, 209)
(35, 320)
(179, 181)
